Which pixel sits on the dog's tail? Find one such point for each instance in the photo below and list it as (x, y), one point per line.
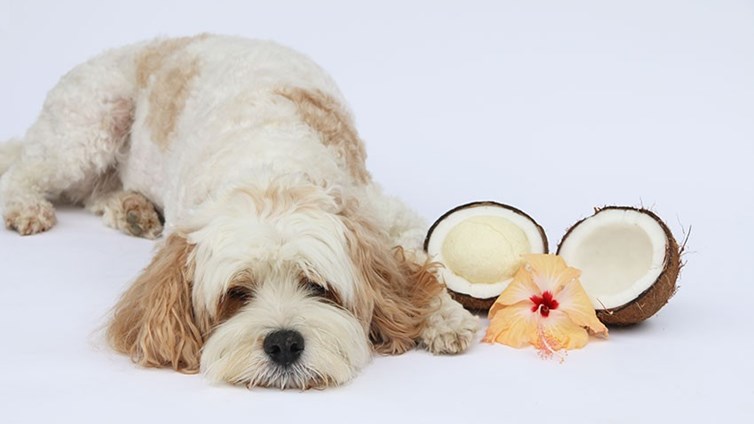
(10, 151)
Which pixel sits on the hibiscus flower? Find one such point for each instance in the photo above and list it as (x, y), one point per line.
(544, 306)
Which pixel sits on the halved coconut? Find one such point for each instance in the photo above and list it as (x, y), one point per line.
(480, 246)
(629, 262)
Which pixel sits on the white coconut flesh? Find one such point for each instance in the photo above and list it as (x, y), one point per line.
(481, 247)
(620, 253)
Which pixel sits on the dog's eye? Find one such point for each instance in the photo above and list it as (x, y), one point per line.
(315, 289)
(235, 298)
(318, 290)
(239, 294)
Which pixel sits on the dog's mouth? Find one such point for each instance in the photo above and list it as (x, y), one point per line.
(295, 376)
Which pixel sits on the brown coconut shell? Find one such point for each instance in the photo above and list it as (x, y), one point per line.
(657, 295)
(469, 302)
(472, 303)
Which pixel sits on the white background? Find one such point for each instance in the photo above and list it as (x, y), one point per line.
(554, 107)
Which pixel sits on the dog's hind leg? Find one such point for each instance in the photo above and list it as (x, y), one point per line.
(10, 151)
(83, 126)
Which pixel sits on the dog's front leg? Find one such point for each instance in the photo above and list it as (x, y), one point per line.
(449, 329)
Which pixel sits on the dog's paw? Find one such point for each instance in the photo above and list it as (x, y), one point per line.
(133, 214)
(30, 219)
(450, 330)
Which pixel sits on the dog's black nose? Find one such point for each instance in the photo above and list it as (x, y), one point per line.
(284, 347)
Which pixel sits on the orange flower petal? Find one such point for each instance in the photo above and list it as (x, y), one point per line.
(550, 272)
(576, 304)
(513, 326)
(562, 333)
(520, 289)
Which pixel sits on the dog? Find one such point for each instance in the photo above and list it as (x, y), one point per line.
(283, 263)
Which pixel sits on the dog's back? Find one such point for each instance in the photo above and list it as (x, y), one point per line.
(175, 120)
(210, 108)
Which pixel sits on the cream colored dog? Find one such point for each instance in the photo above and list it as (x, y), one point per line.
(283, 265)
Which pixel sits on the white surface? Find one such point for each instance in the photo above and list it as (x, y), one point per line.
(553, 107)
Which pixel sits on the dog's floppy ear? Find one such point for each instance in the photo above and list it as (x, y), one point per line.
(398, 293)
(154, 321)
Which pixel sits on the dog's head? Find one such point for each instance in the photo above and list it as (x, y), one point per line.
(286, 286)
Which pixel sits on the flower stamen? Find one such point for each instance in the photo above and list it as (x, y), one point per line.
(545, 348)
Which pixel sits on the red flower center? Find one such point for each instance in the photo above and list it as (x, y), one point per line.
(544, 303)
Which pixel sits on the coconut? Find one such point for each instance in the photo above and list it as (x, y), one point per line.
(629, 262)
(480, 246)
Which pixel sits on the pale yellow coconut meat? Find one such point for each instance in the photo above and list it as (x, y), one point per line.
(481, 246)
(485, 249)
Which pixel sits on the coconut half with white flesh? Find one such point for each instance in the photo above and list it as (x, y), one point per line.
(629, 262)
(480, 246)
